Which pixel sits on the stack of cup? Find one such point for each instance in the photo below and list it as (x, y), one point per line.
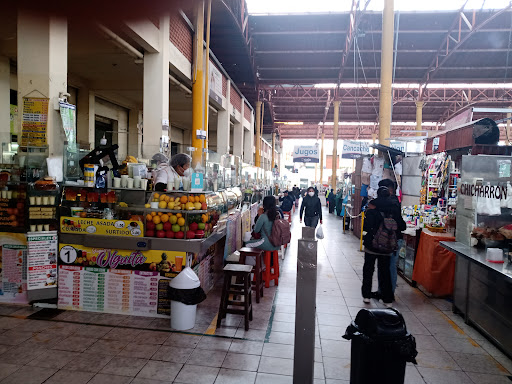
(117, 182)
(144, 184)
(124, 181)
(136, 182)
(129, 183)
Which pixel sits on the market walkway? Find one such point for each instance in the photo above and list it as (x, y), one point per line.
(81, 347)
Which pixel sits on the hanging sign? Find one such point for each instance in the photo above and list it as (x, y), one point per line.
(197, 182)
(42, 260)
(34, 122)
(354, 149)
(215, 83)
(306, 154)
(14, 119)
(68, 117)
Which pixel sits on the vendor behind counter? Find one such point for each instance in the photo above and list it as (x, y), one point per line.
(168, 172)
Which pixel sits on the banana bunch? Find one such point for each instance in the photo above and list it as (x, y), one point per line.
(130, 159)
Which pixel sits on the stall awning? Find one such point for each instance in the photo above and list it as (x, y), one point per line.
(386, 149)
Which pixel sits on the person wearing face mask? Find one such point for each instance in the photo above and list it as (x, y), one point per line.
(311, 209)
(179, 168)
(161, 173)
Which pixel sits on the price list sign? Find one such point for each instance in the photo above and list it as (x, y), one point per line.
(42, 260)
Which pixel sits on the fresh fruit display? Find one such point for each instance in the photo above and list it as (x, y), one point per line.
(179, 202)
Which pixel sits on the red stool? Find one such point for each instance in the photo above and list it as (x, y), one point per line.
(268, 274)
(288, 216)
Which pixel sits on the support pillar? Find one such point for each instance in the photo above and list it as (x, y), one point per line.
(223, 125)
(257, 157)
(156, 94)
(134, 133)
(386, 72)
(42, 68)
(509, 132)
(335, 144)
(85, 117)
(419, 116)
(198, 87)
(238, 134)
(5, 100)
(322, 159)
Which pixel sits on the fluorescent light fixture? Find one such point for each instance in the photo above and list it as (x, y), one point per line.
(395, 123)
(290, 122)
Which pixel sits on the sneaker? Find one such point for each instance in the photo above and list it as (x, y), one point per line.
(255, 244)
(388, 305)
(376, 295)
(366, 301)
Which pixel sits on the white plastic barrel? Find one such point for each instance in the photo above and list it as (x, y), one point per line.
(183, 316)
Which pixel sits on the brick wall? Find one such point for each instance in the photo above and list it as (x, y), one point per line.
(181, 35)
(235, 99)
(247, 112)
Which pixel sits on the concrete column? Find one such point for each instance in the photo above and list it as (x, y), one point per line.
(42, 68)
(85, 117)
(134, 135)
(322, 159)
(223, 125)
(335, 144)
(156, 93)
(419, 116)
(386, 72)
(238, 134)
(5, 100)
(257, 158)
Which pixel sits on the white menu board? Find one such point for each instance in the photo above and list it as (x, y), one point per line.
(42, 259)
(117, 291)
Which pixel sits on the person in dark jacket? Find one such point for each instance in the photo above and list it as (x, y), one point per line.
(391, 186)
(331, 199)
(311, 209)
(382, 205)
(287, 202)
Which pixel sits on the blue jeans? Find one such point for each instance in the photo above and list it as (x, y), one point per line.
(311, 221)
(392, 266)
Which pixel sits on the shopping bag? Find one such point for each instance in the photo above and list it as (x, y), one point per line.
(320, 232)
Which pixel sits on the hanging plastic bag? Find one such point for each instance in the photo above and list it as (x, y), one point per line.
(320, 232)
(367, 165)
(507, 202)
(488, 206)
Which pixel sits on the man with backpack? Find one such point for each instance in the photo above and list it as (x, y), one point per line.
(383, 221)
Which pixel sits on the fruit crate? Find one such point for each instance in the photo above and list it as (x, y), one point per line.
(182, 215)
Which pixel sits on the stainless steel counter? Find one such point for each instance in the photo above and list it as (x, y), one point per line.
(483, 293)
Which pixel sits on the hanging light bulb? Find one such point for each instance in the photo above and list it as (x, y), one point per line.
(103, 140)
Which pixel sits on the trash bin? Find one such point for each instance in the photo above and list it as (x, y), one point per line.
(380, 347)
(185, 293)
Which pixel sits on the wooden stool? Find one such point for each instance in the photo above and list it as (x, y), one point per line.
(268, 274)
(244, 290)
(258, 269)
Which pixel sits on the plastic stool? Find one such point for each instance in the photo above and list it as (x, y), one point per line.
(268, 274)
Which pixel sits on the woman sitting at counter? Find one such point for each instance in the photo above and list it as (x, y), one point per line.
(264, 225)
(179, 170)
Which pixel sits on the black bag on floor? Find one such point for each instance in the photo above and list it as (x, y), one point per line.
(187, 296)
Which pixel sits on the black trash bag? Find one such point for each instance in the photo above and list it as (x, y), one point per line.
(187, 296)
(387, 328)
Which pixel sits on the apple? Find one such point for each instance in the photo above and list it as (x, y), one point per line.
(169, 234)
(201, 226)
(160, 234)
(150, 225)
(175, 228)
(204, 206)
(150, 233)
(179, 235)
(167, 226)
(191, 235)
(199, 234)
(193, 226)
(159, 227)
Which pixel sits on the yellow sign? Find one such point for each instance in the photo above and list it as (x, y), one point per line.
(101, 227)
(34, 122)
(168, 263)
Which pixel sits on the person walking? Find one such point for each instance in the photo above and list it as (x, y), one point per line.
(331, 199)
(379, 227)
(311, 209)
(264, 224)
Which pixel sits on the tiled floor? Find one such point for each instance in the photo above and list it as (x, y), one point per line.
(75, 348)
